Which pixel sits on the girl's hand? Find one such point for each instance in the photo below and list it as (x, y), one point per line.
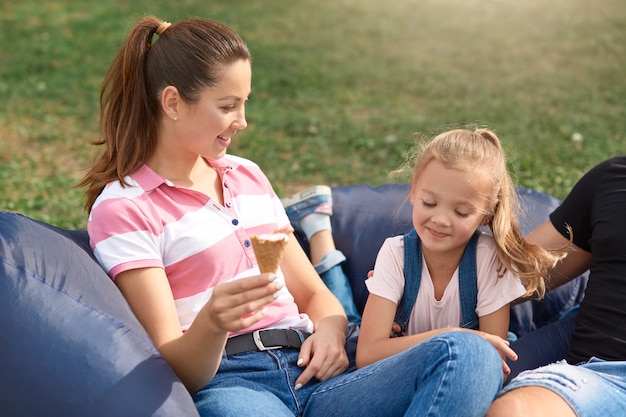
(502, 346)
(236, 305)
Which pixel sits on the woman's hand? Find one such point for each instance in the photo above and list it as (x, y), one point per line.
(323, 354)
(238, 304)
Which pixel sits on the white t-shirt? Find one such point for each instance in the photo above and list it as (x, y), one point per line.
(429, 313)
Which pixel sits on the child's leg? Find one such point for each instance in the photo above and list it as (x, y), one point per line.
(309, 212)
(453, 374)
(321, 243)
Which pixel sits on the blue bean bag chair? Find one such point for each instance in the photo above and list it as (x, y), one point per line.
(71, 346)
(69, 343)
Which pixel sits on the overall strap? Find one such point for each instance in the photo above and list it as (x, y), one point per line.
(412, 278)
(468, 281)
(468, 284)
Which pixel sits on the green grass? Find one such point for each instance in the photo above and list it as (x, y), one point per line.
(340, 88)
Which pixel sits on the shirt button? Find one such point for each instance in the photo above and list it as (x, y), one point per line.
(246, 243)
(225, 185)
(229, 204)
(235, 222)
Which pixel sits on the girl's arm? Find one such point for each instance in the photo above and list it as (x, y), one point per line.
(323, 354)
(375, 342)
(496, 323)
(194, 355)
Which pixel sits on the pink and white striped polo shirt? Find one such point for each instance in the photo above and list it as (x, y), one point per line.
(199, 243)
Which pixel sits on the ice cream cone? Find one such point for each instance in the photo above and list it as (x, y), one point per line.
(268, 250)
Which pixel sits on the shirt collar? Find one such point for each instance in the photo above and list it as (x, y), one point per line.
(147, 178)
(150, 180)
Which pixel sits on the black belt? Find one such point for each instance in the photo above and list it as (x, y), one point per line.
(265, 340)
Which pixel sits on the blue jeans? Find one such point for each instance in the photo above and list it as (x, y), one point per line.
(337, 282)
(454, 374)
(543, 346)
(594, 388)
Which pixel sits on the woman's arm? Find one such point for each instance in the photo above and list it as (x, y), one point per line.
(323, 354)
(575, 262)
(194, 355)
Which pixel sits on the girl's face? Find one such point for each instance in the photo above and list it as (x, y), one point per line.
(206, 127)
(448, 206)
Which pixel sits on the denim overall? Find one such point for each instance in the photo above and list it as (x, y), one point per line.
(468, 277)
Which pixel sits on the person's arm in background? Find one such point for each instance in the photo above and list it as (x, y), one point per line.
(576, 261)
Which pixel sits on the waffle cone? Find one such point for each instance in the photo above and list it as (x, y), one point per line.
(268, 252)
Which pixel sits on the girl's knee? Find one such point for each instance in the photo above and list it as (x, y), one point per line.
(471, 347)
(467, 349)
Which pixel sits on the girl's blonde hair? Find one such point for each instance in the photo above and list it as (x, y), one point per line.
(469, 151)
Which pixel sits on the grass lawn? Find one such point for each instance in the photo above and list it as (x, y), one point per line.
(341, 88)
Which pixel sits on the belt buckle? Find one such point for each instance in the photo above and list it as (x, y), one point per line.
(256, 336)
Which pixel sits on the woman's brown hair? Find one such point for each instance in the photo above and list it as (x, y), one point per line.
(187, 55)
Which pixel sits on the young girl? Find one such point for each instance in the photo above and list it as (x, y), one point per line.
(171, 217)
(459, 182)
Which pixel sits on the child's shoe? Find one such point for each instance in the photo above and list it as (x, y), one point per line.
(317, 199)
